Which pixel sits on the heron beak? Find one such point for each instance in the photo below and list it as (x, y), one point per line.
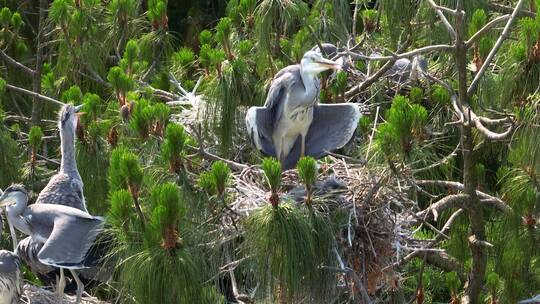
(329, 64)
(78, 108)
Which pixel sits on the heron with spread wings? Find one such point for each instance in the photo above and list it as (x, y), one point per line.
(292, 123)
(67, 233)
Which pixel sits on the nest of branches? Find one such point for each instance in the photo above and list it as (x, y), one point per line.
(35, 294)
(369, 237)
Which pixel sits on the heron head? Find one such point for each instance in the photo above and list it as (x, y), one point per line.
(313, 62)
(69, 117)
(13, 194)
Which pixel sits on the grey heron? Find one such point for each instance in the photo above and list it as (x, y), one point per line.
(11, 229)
(67, 233)
(65, 187)
(405, 69)
(10, 277)
(292, 124)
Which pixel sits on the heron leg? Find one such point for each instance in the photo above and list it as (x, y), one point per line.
(13, 236)
(61, 284)
(302, 145)
(80, 285)
(279, 147)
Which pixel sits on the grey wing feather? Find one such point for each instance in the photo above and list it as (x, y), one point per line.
(261, 121)
(70, 241)
(332, 128)
(63, 189)
(260, 126)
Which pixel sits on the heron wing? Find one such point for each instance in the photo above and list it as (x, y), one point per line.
(332, 128)
(70, 241)
(260, 127)
(63, 189)
(262, 121)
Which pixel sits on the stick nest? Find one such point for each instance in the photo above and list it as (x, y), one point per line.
(374, 228)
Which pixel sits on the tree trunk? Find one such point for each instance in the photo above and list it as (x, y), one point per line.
(475, 281)
(36, 79)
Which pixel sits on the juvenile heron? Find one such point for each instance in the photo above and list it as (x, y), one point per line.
(11, 229)
(405, 69)
(65, 187)
(67, 233)
(292, 124)
(10, 277)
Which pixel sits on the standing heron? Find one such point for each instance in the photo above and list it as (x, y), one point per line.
(10, 277)
(292, 124)
(67, 233)
(65, 187)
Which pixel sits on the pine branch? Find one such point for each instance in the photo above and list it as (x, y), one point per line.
(14, 63)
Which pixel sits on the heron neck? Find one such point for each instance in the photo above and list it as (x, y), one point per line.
(14, 214)
(67, 146)
(308, 79)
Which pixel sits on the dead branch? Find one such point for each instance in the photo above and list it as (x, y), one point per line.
(34, 94)
(505, 33)
(508, 10)
(14, 63)
(491, 24)
(372, 79)
(447, 202)
(484, 197)
(439, 10)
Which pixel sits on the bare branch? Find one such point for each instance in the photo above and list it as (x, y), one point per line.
(440, 162)
(14, 63)
(486, 28)
(445, 262)
(438, 9)
(508, 10)
(372, 79)
(495, 49)
(422, 50)
(490, 134)
(447, 202)
(484, 197)
(213, 157)
(34, 94)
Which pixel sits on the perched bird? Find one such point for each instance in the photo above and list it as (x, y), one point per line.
(10, 277)
(67, 233)
(65, 187)
(292, 124)
(11, 229)
(405, 69)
